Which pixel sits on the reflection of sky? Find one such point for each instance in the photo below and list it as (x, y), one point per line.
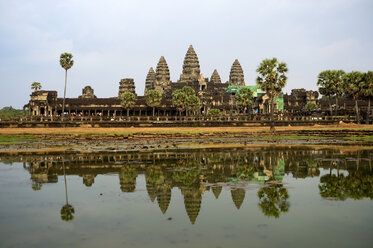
(128, 219)
(115, 39)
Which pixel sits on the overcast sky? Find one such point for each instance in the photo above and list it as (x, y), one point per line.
(115, 39)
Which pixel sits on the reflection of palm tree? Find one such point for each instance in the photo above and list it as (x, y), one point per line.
(67, 211)
(332, 186)
(273, 199)
(357, 185)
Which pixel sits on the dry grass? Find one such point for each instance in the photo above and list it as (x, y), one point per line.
(90, 130)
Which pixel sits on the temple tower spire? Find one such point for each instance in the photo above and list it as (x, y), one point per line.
(215, 77)
(150, 80)
(162, 76)
(191, 69)
(236, 77)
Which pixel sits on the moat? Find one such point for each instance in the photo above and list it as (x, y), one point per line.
(272, 196)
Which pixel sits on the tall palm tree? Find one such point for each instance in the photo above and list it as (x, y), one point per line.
(354, 83)
(128, 101)
(36, 86)
(66, 63)
(331, 84)
(153, 99)
(272, 79)
(368, 90)
(244, 98)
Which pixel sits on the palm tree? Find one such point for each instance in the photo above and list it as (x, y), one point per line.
(193, 103)
(66, 62)
(128, 101)
(331, 84)
(367, 90)
(354, 83)
(153, 99)
(36, 86)
(244, 98)
(272, 79)
(179, 100)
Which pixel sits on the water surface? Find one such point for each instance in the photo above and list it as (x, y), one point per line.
(268, 197)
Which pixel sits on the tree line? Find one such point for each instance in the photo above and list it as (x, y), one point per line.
(355, 84)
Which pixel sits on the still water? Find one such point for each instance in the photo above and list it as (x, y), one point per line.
(264, 197)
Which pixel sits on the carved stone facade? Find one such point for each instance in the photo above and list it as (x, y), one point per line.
(87, 93)
(299, 98)
(126, 85)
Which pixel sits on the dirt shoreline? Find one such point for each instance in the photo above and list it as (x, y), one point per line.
(26, 140)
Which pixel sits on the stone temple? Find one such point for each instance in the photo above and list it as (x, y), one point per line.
(211, 92)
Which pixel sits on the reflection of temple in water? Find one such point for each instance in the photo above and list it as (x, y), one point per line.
(195, 172)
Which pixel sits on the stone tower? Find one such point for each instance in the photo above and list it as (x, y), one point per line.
(87, 93)
(191, 70)
(236, 76)
(150, 81)
(162, 76)
(126, 85)
(215, 78)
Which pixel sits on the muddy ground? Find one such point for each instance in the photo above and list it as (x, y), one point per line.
(17, 140)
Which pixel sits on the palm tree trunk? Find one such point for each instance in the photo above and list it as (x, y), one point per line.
(357, 111)
(330, 106)
(128, 112)
(272, 129)
(153, 110)
(64, 96)
(336, 105)
(368, 112)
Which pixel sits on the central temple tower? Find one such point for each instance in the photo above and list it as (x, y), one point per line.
(191, 69)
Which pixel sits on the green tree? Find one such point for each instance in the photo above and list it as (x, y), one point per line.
(310, 106)
(367, 91)
(214, 113)
(193, 103)
(185, 98)
(36, 86)
(153, 99)
(66, 63)
(354, 83)
(128, 100)
(272, 79)
(179, 100)
(244, 98)
(331, 84)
